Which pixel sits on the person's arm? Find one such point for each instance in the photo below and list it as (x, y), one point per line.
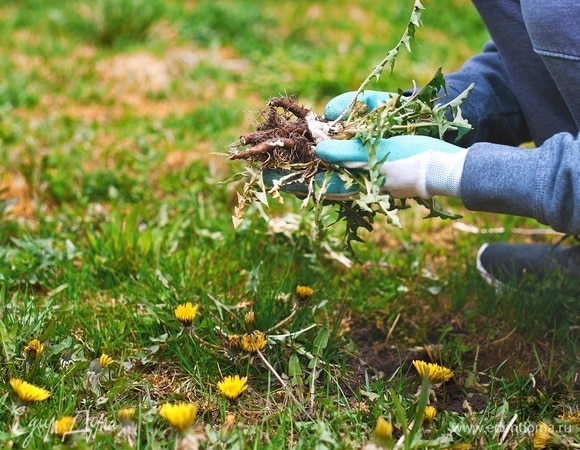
(491, 107)
(542, 183)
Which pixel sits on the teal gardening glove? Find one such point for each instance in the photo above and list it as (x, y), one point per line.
(415, 166)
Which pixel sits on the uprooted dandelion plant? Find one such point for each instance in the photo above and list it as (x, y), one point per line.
(287, 134)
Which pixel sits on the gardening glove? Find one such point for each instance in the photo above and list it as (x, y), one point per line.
(415, 166)
(337, 107)
(335, 187)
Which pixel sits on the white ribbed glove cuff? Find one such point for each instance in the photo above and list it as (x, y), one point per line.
(443, 175)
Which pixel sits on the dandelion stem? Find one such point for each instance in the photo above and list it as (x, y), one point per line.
(269, 366)
(284, 321)
(507, 429)
(392, 328)
(283, 383)
(312, 387)
(203, 342)
(391, 56)
(401, 440)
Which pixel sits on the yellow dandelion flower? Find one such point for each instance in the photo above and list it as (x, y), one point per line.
(250, 320)
(63, 425)
(252, 342)
(304, 292)
(34, 348)
(383, 429)
(429, 413)
(461, 446)
(544, 436)
(180, 415)
(232, 387)
(126, 415)
(105, 360)
(435, 373)
(185, 313)
(573, 418)
(27, 392)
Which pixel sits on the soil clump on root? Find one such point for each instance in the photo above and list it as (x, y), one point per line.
(282, 137)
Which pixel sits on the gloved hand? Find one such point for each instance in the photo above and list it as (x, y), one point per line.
(335, 187)
(416, 166)
(337, 107)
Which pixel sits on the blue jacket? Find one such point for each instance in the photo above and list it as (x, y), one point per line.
(527, 88)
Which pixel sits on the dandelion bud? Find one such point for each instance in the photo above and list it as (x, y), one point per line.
(126, 416)
(63, 425)
(66, 358)
(304, 293)
(235, 342)
(429, 413)
(128, 430)
(94, 366)
(250, 320)
(33, 349)
(105, 360)
(383, 429)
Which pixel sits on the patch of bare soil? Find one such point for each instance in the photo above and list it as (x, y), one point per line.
(134, 78)
(15, 190)
(139, 71)
(381, 356)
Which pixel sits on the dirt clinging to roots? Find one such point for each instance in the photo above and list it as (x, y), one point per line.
(282, 137)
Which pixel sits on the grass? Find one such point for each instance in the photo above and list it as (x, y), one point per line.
(115, 209)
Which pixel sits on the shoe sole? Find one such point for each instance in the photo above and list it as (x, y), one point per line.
(497, 285)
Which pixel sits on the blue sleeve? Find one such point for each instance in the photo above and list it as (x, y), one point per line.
(491, 107)
(542, 183)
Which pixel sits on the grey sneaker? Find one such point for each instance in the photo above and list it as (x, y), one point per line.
(502, 264)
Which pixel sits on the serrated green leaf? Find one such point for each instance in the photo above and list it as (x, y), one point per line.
(320, 342)
(294, 367)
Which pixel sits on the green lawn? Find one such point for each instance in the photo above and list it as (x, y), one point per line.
(116, 197)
